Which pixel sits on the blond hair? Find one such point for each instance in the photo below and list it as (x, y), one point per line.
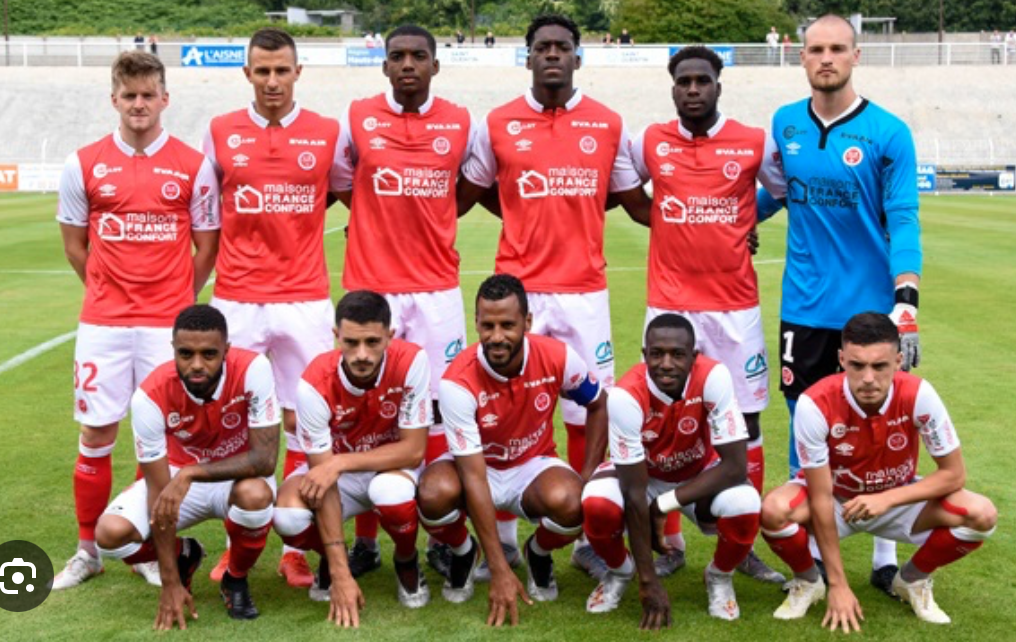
(137, 64)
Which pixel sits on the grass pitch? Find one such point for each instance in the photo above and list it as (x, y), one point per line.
(969, 343)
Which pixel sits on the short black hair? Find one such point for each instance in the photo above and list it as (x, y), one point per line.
(363, 307)
(670, 320)
(549, 19)
(502, 286)
(271, 39)
(698, 52)
(201, 318)
(413, 30)
(869, 328)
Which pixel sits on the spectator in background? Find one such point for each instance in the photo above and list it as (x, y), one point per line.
(379, 40)
(1010, 46)
(153, 44)
(368, 40)
(786, 48)
(772, 46)
(459, 37)
(139, 41)
(489, 40)
(625, 38)
(996, 47)
(608, 40)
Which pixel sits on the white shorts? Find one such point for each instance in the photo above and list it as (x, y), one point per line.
(110, 362)
(508, 486)
(895, 524)
(204, 501)
(736, 340)
(353, 488)
(289, 334)
(582, 320)
(435, 321)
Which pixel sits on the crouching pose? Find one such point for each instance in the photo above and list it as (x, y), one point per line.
(363, 411)
(678, 441)
(858, 437)
(206, 434)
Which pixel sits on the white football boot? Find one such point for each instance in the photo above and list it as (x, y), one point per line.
(800, 595)
(149, 571)
(919, 595)
(722, 599)
(81, 567)
(607, 595)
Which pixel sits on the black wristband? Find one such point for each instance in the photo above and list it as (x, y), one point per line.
(906, 294)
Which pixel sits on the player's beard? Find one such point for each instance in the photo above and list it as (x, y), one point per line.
(513, 351)
(201, 391)
(837, 83)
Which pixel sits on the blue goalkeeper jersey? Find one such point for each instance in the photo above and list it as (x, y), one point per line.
(851, 194)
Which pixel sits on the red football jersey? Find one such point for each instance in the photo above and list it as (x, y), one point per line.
(703, 209)
(403, 218)
(554, 170)
(333, 414)
(169, 422)
(139, 211)
(275, 184)
(870, 454)
(675, 438)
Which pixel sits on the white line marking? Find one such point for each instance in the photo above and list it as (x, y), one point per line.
(58, 272)
(32, 353)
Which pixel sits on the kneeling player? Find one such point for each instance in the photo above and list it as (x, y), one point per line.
(497, 399)
(678, 441)
(207, 438)
(363, 412)
(857, 435)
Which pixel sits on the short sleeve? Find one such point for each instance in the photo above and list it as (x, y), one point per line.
(72, 207)
(625, 432)
(313, 420)
(726, 423)
(480, 167)
(933, 422)
(811, 434)
(579, 384)
(623, 176)
(417, 410)
(149, 426)
(263, 408)
(204, 206)
(458, 411)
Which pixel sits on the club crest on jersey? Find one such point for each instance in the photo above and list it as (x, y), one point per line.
(441, 145)
(542, 401)
(306, 160)
(171, 190)
(231, 420)
(388, 409)
(787, 375)
(853, 156)
(687, 425)
(732, 170)
(587, 145)
(897, 441)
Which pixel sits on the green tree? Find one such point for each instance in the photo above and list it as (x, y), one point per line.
(701, 20)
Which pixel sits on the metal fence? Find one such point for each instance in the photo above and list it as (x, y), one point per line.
(76, 52)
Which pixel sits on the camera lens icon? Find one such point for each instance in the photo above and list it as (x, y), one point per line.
(26, 576)
(16, 577)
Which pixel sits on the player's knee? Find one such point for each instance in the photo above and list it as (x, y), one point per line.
(775, 510)
(113, 532)
(602, 508)
(563, 502)
(982, 516)
(252, 494)
(439, 490)
(738, 500)
(391, 489)
(289, 493)
(292, 521)
(98, 436)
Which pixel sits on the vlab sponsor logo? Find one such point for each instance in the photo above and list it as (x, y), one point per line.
(102, 170)
(515, 128)
(443, 127)
(235, 140)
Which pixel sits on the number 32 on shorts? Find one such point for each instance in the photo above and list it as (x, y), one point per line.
(88, 370)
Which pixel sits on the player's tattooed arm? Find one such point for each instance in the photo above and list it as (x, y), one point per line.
(634, 478)
(258, 461)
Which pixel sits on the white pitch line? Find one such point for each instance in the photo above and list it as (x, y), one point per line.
(32, 353)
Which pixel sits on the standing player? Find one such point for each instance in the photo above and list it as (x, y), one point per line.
(703, 169)
(677, 442)
(498, 399)
(405, 147)
(363, 414)
(858, 437)
(853, 237)
(206, 434)
(277, 164)
(130, 207)
(556, 155)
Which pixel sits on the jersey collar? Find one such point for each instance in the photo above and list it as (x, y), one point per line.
(847, 113)
(490, 371)
(853, 402)
(397, 108)
(538, 107)
(354, 390)
(662, 396)
(713, 131)
(151, 150)
(218, 388)
(262, 122)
